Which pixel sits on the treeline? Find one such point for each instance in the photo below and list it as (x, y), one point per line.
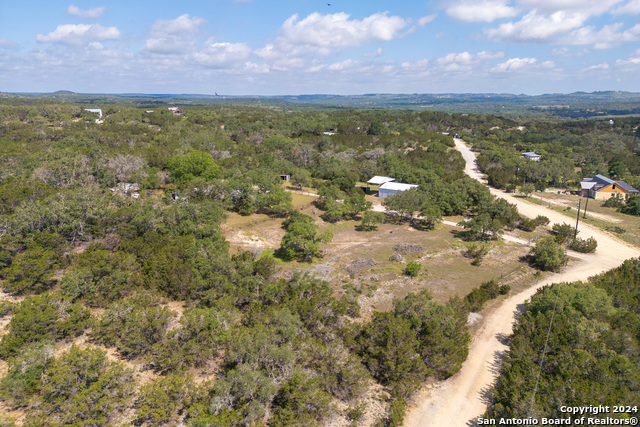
(571, 150)
(591, 351)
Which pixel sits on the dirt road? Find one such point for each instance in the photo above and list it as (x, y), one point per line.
(464, 397)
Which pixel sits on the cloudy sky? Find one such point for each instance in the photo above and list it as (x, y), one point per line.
(277, 47)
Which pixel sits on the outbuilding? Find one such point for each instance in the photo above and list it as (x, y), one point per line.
(392, 188)
(532, 155)
(379, 180)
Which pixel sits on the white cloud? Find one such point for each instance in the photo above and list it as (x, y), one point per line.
(604, 66)
(632, 7)
(94, 13)
(630, 64)
(481, 10)
(79, 35)
(174, 36)
(219, 55)
(522, 65)
(563, 22)
(318, 34)
(338, 31)
(608, 37)
(536, 27)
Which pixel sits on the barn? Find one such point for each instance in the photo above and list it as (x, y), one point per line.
(392, 188)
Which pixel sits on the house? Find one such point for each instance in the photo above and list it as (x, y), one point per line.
(379, 180)
(97, 111)
(176, 111)
(392, 188)
(600, 187)
(285, 177)
(531, 155)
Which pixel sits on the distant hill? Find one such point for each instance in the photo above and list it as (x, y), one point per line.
(575, 105)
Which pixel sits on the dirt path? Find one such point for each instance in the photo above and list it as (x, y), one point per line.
(464, 397)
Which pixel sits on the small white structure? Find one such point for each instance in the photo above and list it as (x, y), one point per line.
(379, 180)
(532, 155)
(97, 111)
(392, 188)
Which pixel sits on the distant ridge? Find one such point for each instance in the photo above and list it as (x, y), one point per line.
(575, 105)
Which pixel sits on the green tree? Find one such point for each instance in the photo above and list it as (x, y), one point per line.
(407, 203)
(184, 168)
(158, 401)
(82, 387)
(301, 239)
(413, 269)
(548, 255)
(371, 219)
(32, 271)
(389, 349)
(43, 317)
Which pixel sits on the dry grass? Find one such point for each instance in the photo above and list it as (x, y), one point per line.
(446, 271)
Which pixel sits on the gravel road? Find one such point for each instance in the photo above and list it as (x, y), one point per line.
(464, 397)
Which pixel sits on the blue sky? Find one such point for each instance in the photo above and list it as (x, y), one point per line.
(260, 47)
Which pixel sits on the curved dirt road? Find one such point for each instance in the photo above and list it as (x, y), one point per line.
(461, 399)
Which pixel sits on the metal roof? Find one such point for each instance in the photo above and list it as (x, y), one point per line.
(397, 186)
(605, 179)
(587, 185)
(379, 180)
(626, 187)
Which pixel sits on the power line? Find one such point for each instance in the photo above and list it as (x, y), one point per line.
(555, 304)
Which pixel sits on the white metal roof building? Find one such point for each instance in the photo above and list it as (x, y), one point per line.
(379, 180)
(392, 188)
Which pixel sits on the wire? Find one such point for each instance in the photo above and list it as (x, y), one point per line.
(544, 351)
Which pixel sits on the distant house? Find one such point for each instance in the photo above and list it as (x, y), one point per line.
(330, 132)
(285, 177)
(532, 155)
(600, 187)
(379, 180)
(176, 111)
(97, 111)
(392, 188)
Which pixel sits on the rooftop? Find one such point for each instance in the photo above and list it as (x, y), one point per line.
(379, 180)
(398, 186)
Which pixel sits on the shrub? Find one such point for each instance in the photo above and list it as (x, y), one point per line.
(548, 255)
(158, 400)
(504, 289)
(133, 327)
(563, 233)
(42, 317)
(613, 202)
(413, 269)
(585, 246)
(82, 387)
(477, 297)
(32, 271)
(24, 376)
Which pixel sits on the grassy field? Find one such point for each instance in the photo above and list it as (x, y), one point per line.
(356, 263)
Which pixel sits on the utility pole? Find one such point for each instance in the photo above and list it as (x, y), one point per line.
(585, 207)
(577, 219)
